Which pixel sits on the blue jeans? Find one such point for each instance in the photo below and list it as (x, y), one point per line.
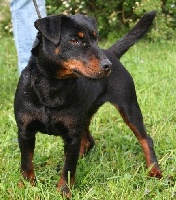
(23, 17)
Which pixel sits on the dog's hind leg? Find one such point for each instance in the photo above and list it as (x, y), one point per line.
(132, 116)
(87, 142)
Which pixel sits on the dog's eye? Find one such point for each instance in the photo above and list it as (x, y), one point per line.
(73, 41)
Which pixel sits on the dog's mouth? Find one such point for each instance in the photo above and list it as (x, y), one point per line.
(92, 75)
(75, 68)
(77, 72)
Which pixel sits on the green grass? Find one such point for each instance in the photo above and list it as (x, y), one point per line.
(115, 168)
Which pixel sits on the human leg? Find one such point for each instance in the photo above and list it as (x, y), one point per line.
(23, 18)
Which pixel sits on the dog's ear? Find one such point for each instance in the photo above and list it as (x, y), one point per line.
(36, 44)
(50, 27)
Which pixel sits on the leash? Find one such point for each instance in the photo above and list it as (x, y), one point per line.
(37, 10)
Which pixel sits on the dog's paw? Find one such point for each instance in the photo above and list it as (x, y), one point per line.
(155, 172)
(64, 189)
(22, 182)
(30, 177)
(65, 192)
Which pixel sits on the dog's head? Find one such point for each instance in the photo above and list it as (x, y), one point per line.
(68, 47)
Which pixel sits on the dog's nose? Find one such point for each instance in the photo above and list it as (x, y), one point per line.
(106, 64)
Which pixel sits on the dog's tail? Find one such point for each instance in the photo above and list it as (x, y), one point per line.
(123, 44)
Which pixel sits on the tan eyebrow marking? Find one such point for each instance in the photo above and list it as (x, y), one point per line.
(80, 34)
(94, 34)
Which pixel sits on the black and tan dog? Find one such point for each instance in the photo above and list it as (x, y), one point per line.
(67, 79)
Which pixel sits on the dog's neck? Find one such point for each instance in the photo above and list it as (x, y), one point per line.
(55, 93)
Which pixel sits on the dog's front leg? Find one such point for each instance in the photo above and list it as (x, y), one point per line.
(71, 151)
(27, 145)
